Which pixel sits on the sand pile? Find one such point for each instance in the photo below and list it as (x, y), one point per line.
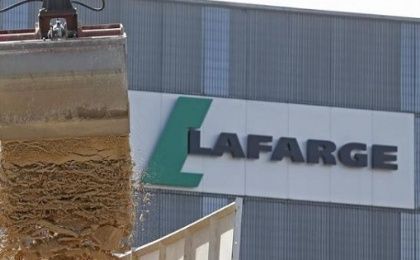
(65, 198)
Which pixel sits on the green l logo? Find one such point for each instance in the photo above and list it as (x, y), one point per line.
(171, 151)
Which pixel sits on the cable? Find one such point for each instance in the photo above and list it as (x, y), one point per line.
(89, 7)
(17, 4)
(74, 2)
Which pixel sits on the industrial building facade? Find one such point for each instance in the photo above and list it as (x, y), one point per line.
(270, 59)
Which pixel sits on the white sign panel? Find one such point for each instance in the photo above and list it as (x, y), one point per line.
(188, 143)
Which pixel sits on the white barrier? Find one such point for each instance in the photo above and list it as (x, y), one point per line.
(214, 237)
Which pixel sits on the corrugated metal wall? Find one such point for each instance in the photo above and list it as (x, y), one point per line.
(278, 56)
(261, 54)
(18, 18)
(318, 231)
(291, 230)
(160, 212)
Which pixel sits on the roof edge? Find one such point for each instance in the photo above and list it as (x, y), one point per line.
(299, 10)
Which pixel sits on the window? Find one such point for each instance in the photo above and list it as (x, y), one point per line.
(216, 27)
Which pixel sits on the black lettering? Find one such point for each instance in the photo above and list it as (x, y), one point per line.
(287, 147)
(194, 146)
(320, 149)
(381, 159)
(228, 143)
(255, 145)
(357, 160)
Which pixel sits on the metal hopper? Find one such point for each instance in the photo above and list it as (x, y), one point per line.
(65, 164)
(63, 80)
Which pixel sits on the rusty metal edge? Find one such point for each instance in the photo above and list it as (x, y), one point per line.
(39, 45)
(83, 32)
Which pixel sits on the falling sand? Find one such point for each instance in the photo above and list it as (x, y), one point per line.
(65, 198)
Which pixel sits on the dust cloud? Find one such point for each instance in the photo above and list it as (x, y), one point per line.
(65, 198)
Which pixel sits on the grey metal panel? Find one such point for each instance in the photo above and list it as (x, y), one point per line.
(302, 230)
(179, 211)
(263, 230)
(310, 59)
(271, 55)
(111, 14)
(366, 64)
(417, 68)
(417, 160)
(386, 234)
(417, 230)
(408, 69)
(267, 57)
(350, 229)
(143, 22)
(14, 19)
(238, 53)
(307, 232)
(212, 203)
(182, 48)
(357, 234)
(408, 236)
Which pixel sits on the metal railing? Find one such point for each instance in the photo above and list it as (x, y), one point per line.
(214, 237)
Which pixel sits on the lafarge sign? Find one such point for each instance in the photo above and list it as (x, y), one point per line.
(274, 150)
(350, 154)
